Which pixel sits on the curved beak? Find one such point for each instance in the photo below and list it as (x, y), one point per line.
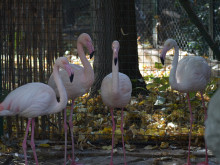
(91, 54)
(71, 77)
(90, 47)
(163, 55)
(69, 70)
(162, 60)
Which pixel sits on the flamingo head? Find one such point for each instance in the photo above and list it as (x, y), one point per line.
(86, 41)
(64, 63)
(169, 44)
(115, 48)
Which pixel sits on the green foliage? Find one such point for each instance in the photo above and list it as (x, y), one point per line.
(158, 83)
(158, 65)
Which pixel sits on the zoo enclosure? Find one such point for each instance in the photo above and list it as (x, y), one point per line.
(34, 33)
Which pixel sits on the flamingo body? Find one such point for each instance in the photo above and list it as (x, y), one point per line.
(192, 74)
(119, 99)
(212, 131)
(27, 101)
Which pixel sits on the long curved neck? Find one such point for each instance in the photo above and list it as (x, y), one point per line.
(61, 89)
(87, 66)
(115, 77)
(172, 78)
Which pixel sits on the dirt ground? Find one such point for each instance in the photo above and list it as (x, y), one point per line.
(102, 157)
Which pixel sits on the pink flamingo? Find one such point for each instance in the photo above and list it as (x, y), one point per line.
(83, 80)
(190, 74)
(212, 131)
(36, 99)
(116, 91)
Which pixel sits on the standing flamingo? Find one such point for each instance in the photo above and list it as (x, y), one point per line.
(190, 74)
(37, 99)
(83, 80)
(116, 91)
(212, 131)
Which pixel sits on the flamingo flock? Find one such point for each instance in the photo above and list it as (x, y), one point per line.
(69, 81)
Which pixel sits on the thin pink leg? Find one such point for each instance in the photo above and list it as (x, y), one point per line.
(190, 133)
(32, 141)
(113, 135)
(65, 129)
(24, 144)
(206, 154)
(71, 131)
(122, 135)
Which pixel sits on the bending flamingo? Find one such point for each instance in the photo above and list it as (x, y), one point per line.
(212, 132)
(37, 99)
(116, 91)
(83, 80)
(190, 74)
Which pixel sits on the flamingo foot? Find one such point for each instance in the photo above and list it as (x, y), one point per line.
(111, 163)
(73, 162)
(203, 163)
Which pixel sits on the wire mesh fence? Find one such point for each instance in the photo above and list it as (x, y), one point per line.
(34, 33)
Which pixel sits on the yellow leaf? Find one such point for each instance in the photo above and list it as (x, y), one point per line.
(184, 130)
(164, 145)
(162, 132)
(118, 132)
(44, 145)
(107, 130)
(107, 147)
(142, 102)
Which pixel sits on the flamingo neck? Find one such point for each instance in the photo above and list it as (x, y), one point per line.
(88, 71)
(62, 91)
(115, 78)
(172, 78)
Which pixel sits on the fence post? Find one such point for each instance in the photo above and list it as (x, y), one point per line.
(1, 118)
(211, 30)
(155, 21)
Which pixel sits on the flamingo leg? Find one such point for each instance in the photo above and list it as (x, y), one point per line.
(71, 131)
(122, 135)
(206, 154)
(24, 144)
(190, 133)
(65, 129)
(32, 141)
(113, 135)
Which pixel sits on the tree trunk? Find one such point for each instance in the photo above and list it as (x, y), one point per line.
(104, 33)
(116, 20)
(127, 36)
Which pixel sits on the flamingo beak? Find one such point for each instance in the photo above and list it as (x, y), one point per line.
(91, 54)
(71, 77)
(115, 60)
(163, 55)
(115, 56)
(162, 60)
(69, 70)
(90, 47)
